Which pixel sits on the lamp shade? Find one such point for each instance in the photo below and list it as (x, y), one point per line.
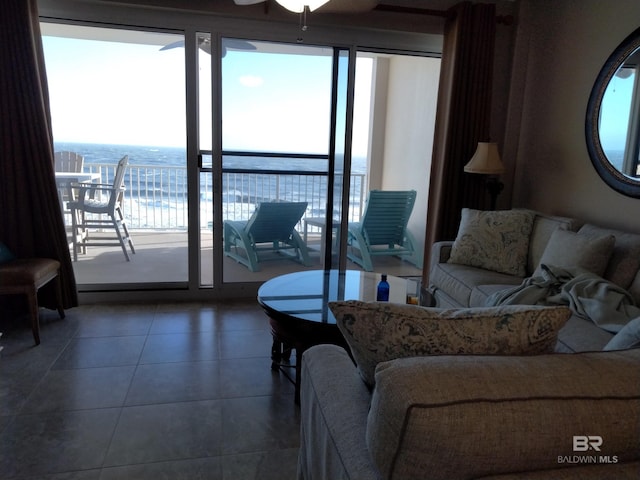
(486, 160)
(297, 6)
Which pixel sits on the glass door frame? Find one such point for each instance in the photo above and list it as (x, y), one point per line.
(217, 152)
(428, 42)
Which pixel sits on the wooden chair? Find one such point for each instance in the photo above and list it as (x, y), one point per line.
(25, 276)
(383, 229)
(68, 162)
(271, 227)
(99, 200)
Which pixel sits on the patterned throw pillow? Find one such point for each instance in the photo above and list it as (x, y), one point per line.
(497, 240)
(380, 331)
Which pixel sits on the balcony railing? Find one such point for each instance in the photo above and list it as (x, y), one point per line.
(156, 196)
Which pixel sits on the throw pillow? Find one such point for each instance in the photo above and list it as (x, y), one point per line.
(497, 240)
(380, 331)
(570, 249)
(625, 259)
(627, 337)
(6, 255)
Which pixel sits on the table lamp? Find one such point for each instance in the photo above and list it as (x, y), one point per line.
(486, 161)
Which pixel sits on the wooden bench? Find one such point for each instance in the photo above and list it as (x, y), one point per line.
(26, 276)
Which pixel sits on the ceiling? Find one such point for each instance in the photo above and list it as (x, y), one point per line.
(404, 15)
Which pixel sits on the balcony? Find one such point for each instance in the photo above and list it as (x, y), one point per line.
(155, 208)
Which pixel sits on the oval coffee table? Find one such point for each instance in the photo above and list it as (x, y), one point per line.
(299, 316)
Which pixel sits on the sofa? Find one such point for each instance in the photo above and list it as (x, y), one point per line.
(460, 285)
(568, 410)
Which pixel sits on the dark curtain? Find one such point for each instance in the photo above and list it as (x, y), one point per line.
(462, 119)
(31, 222)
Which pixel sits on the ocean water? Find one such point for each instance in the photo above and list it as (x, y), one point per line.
(156, 183)
(616, 158)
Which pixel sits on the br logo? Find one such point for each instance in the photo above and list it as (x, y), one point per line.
(583, 443)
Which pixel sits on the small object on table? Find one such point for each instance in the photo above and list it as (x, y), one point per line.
(383, 290)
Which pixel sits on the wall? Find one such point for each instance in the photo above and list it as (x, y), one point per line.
(408, 140)
(560, 48)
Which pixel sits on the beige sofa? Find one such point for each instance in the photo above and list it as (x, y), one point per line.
(455, 285)
(557, 415)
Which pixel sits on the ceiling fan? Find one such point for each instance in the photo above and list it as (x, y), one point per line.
(204, 43)
(328, 6)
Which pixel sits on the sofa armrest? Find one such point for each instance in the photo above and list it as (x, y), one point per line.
(469, 416)
(440, 252)
(334, 404)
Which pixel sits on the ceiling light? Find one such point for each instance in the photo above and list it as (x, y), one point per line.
(298, 6)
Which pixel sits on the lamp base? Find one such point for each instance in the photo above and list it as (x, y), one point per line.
(495, 186)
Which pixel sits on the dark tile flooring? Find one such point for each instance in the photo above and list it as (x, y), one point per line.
(175, 391)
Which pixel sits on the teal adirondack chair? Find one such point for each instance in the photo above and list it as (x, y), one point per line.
(270, 228)
(383, 229)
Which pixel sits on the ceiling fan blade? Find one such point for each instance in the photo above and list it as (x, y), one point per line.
(178, 44)
(235, 44)
(205, 45)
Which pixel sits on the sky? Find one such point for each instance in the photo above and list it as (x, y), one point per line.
(134, 94)
(614, 113)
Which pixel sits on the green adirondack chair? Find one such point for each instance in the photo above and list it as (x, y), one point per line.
(383, 229)
(270, 228)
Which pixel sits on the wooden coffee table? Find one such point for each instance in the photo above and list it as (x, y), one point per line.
(296, 304)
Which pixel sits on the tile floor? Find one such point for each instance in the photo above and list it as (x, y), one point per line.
(175, 391)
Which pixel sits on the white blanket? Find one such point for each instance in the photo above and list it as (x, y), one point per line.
(604, 303)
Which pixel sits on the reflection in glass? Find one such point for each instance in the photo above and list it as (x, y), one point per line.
(612, 125)
(615, 116)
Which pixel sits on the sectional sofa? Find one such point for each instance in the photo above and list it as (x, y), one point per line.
(572, 413)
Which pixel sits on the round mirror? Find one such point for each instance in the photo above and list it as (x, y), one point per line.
(613, 119)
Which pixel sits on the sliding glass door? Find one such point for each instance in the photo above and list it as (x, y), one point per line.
(116, 93)
(216, 127)
(277, 113)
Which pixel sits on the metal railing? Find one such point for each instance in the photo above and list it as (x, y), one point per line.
(156, 196)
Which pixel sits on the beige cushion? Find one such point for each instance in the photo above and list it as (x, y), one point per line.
(569, 249)
(468, 416)
(458, 281)
(381, 331)
(625, 259)
(543, 226)
(28, 271)
(497, 240)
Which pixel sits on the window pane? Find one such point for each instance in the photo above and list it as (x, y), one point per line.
(116, 92)
(276, 97)
(615, 115)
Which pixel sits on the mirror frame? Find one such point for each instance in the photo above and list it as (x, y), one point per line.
(612, 177)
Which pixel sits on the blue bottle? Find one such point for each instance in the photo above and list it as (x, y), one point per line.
(383, 290)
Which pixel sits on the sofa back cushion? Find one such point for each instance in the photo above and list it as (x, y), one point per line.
(625, 259)
(455, 417)
(573, 250)
(543, 226)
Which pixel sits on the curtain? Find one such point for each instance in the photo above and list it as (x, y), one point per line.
(31, 222)
(462, 120)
